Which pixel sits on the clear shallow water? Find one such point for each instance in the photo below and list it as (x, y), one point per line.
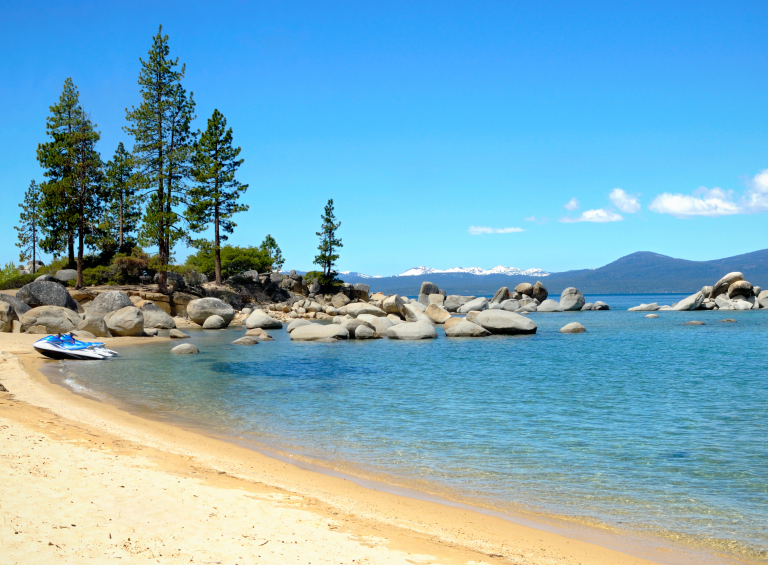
(643, 424)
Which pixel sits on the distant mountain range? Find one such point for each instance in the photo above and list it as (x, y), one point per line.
(638, 273)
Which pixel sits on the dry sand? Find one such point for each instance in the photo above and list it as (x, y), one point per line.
(84, 482)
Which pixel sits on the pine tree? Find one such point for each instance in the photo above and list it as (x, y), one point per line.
(57, 157)
(213, 199)
(123, 210)
(328, 245)
(86, 201)
(163, 142)
(273, 250)
(29, 225)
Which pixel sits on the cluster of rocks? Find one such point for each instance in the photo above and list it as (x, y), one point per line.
(731, 292)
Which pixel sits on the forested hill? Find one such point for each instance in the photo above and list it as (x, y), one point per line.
(638, 273)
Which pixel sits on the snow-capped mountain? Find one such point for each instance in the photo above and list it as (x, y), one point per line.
(361, 275)
(498, 270)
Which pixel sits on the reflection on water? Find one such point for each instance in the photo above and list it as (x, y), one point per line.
(641, 423)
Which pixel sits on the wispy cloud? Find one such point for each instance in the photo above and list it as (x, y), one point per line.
(624, 202)
(600, 216)
(530, 219)
(715, 202)
(480, 230)
(572, 204)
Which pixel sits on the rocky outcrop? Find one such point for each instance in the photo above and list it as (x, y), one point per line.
(501, 295)
(437, 314)
(108, 302)
(339, 300)
(600, 305)
(740, 288)
(571, 299)
(429, 288)
(524, 289)
(155, 317)
(511, 305)
(690, 303)
(539, 292)
(356, 308)
(128, 321)
(46, 293)
(246, 340)
(465, 329)
(95, 325)
(413, 313)
(721, 286)
(318, 332)
(573, 328)
(201, 309)
(412, 331)
(503, 322)
(392, 304)
(652, 307)
(19, 307)
(53, 319)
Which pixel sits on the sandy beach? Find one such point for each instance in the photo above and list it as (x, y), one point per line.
(85, 481)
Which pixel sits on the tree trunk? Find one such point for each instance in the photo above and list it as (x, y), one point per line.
(120, 228)
(162, 279)
(80, 242)
(216, 243)
(71, 250)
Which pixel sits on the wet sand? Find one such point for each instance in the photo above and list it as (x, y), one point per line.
(86, 480)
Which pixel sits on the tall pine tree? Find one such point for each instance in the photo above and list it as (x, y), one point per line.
(163, 142)
(57, 156)
(273, 250)
(29, 225)
(329, 245)
(213, 199)
(123, 209)
(88, 190)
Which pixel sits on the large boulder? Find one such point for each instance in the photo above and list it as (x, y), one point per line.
(185, 349)
(571, 299)
(503, 322)
(174, 281)
(762, 299)
(19, 307)
(392, 304)
(46, 293)
(66, 275)
(549, 306)
(7, 316)
(316, 332)
(524, 288)
(511, 305)
(339, 300)
(478, 304)
(413, 313)
(706, 291)
(437, 314)
(412, 331)
(297, 324)
(201, 309)
(466, 329)
(95, 325)
(429, 288)
(356, 308)
(438, 299)
(107, 302)
(600, 305)
(723, 303)
(365, 332)
(501, 295)
(740, 288)
(722, 286)
(381, 325)
(156, 317)
(54, 319)
(214, 322)
(690, 303)
(652, 307)
(352, 324)
(539, 292)
(128, 321)
(258, 319)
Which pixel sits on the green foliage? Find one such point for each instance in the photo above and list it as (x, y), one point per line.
(8, 272)
(29, 224)
(234, 260)
(122, 210)
(213, 198)
(18, 281)
(329, 244)
(163, 142)
(273, 250)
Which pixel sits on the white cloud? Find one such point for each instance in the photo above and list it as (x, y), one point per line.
(530, 219)
(601, 216)
(716, 201)
(624, 202)
(479, 230)
(573, 204)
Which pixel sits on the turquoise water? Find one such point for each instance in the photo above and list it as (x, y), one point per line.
(643, 424)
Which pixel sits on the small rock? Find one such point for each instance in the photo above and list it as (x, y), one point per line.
(185, 349)
(151, 332)
(178, 334)
(728, 321)
(214, 322)
(247, 340)
(694, 323)
(573, 328)
(652, 316)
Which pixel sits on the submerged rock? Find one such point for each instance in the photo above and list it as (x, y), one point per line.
(185, 349)
(178, 334)
(503, 322)
(317, 332)
(246, 340)
(694, 323)
(573, 328)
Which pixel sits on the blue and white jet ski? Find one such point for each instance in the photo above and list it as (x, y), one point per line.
(66, 346)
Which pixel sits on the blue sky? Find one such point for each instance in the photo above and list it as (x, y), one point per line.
(448, 134)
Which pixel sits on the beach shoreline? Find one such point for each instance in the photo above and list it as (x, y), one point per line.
(406, 526)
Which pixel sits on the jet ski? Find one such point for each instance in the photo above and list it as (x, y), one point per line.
(66, 346)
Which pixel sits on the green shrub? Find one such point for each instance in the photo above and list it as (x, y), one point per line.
(328, 284)
(234, 260)
(18, 281)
